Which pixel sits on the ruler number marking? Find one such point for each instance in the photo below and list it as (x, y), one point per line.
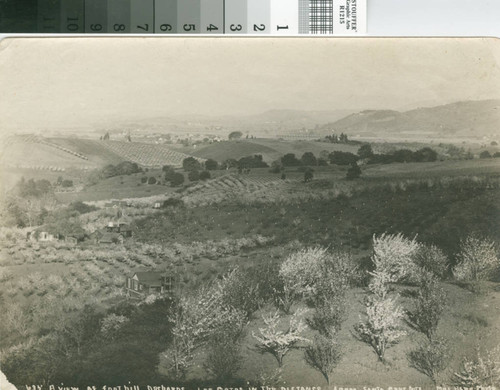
(260, 27)
(212, 27)
(72, 24)
(189, 27)
(96, 27)
(166, 27)
(119, 27)
(145, 27)
(235, 27)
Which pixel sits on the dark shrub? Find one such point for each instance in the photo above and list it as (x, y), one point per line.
(429, 306)
(289, 160)
(432, 259)
(211, 165)
(365, 151)
(205, 175)
(342, 158)
(194, 175)
(309, 159)
(190, 164)
(324, 354)
(177, 179)
(173, 202)
(353, 172)
(431, 357)
(308, 175)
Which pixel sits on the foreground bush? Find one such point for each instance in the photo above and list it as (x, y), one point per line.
(323, 354)
(430, 303)
(477, 260)
(242, 291)
(432, 259)
(382, 327)
(431, 357)
(328, 317)
(224, 357)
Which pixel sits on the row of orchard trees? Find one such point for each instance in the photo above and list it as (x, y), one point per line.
(215, 317)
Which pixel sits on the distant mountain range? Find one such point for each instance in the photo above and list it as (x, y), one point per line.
(462, 119)
(471, 118)
(263, 124)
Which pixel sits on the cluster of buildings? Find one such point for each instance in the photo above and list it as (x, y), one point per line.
(112, 233)
(138, 285)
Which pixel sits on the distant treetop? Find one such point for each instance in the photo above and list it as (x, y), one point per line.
(235, 135)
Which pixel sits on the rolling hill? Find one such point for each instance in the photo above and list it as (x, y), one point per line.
(59, 154)
(270, 149)
(35, 152)
(462, 119)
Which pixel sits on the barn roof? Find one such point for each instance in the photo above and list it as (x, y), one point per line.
(149, 278)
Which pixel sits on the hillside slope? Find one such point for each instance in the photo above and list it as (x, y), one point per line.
(57, 154)
(472, 118)
(34, 152)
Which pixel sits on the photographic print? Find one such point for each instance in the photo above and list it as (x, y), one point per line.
(250, 213)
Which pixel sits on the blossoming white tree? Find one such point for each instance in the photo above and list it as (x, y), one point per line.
(480, 370)
(276, 341)
(477, 259)
(382, 327)
(302, 269)
(393, 258)
(393, 254)
(195, 319)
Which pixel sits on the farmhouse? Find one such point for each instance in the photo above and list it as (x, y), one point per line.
(146, 283)
(119, 227)
(47, 236)
(112, 233)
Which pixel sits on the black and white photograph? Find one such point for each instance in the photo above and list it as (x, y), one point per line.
(196, 213)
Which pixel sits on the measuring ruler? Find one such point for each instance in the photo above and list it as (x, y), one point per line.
(272, 17)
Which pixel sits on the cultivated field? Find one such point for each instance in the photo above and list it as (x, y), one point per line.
(146, 154)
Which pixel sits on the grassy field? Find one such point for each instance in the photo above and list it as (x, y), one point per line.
(119, 187)
(270, 149)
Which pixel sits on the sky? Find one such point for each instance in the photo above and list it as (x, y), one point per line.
(85, 82)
